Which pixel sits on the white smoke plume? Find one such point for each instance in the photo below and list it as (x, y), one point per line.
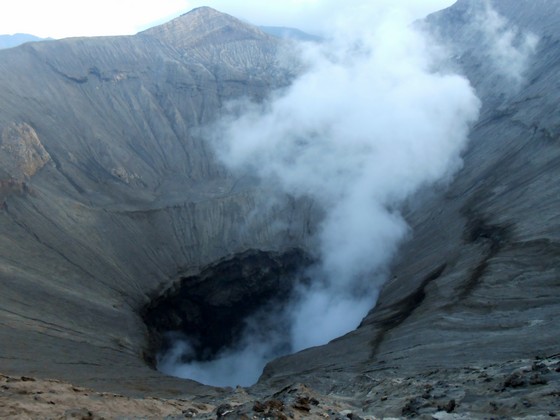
(369, 122)
(509, 48)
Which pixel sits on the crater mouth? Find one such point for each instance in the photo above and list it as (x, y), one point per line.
(210, 309)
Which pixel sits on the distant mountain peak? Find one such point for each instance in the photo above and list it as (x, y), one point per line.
(204, 9)
(204, 24)
(10, 41)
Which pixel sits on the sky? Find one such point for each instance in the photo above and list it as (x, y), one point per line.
(67, 18)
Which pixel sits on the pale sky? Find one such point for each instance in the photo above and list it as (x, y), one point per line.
(65, 18)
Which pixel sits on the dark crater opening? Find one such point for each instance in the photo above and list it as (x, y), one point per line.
(210, 307)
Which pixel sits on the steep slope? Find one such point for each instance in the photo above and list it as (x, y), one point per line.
(478, 281)
(113, 195)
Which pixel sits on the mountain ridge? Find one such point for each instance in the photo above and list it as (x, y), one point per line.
(118, 196)
(204, 25)
(14, 40)
(129, 201)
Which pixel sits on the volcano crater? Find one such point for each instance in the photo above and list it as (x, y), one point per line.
(210, 308)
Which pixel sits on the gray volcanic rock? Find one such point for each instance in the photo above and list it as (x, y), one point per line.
(131, 198)
(478, 281)
(123, 197)
(21, 152)
(21, 156)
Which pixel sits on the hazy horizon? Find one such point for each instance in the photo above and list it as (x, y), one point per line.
(64, 18)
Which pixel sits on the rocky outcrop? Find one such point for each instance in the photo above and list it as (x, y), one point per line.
(21, 152)
(21, 156)
(520, 389)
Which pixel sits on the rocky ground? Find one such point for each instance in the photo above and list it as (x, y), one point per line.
(520, 389)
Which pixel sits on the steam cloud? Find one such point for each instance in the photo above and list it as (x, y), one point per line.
(509, 48)
(369, 122)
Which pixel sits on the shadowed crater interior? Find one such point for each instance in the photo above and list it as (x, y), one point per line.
(210, 307)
